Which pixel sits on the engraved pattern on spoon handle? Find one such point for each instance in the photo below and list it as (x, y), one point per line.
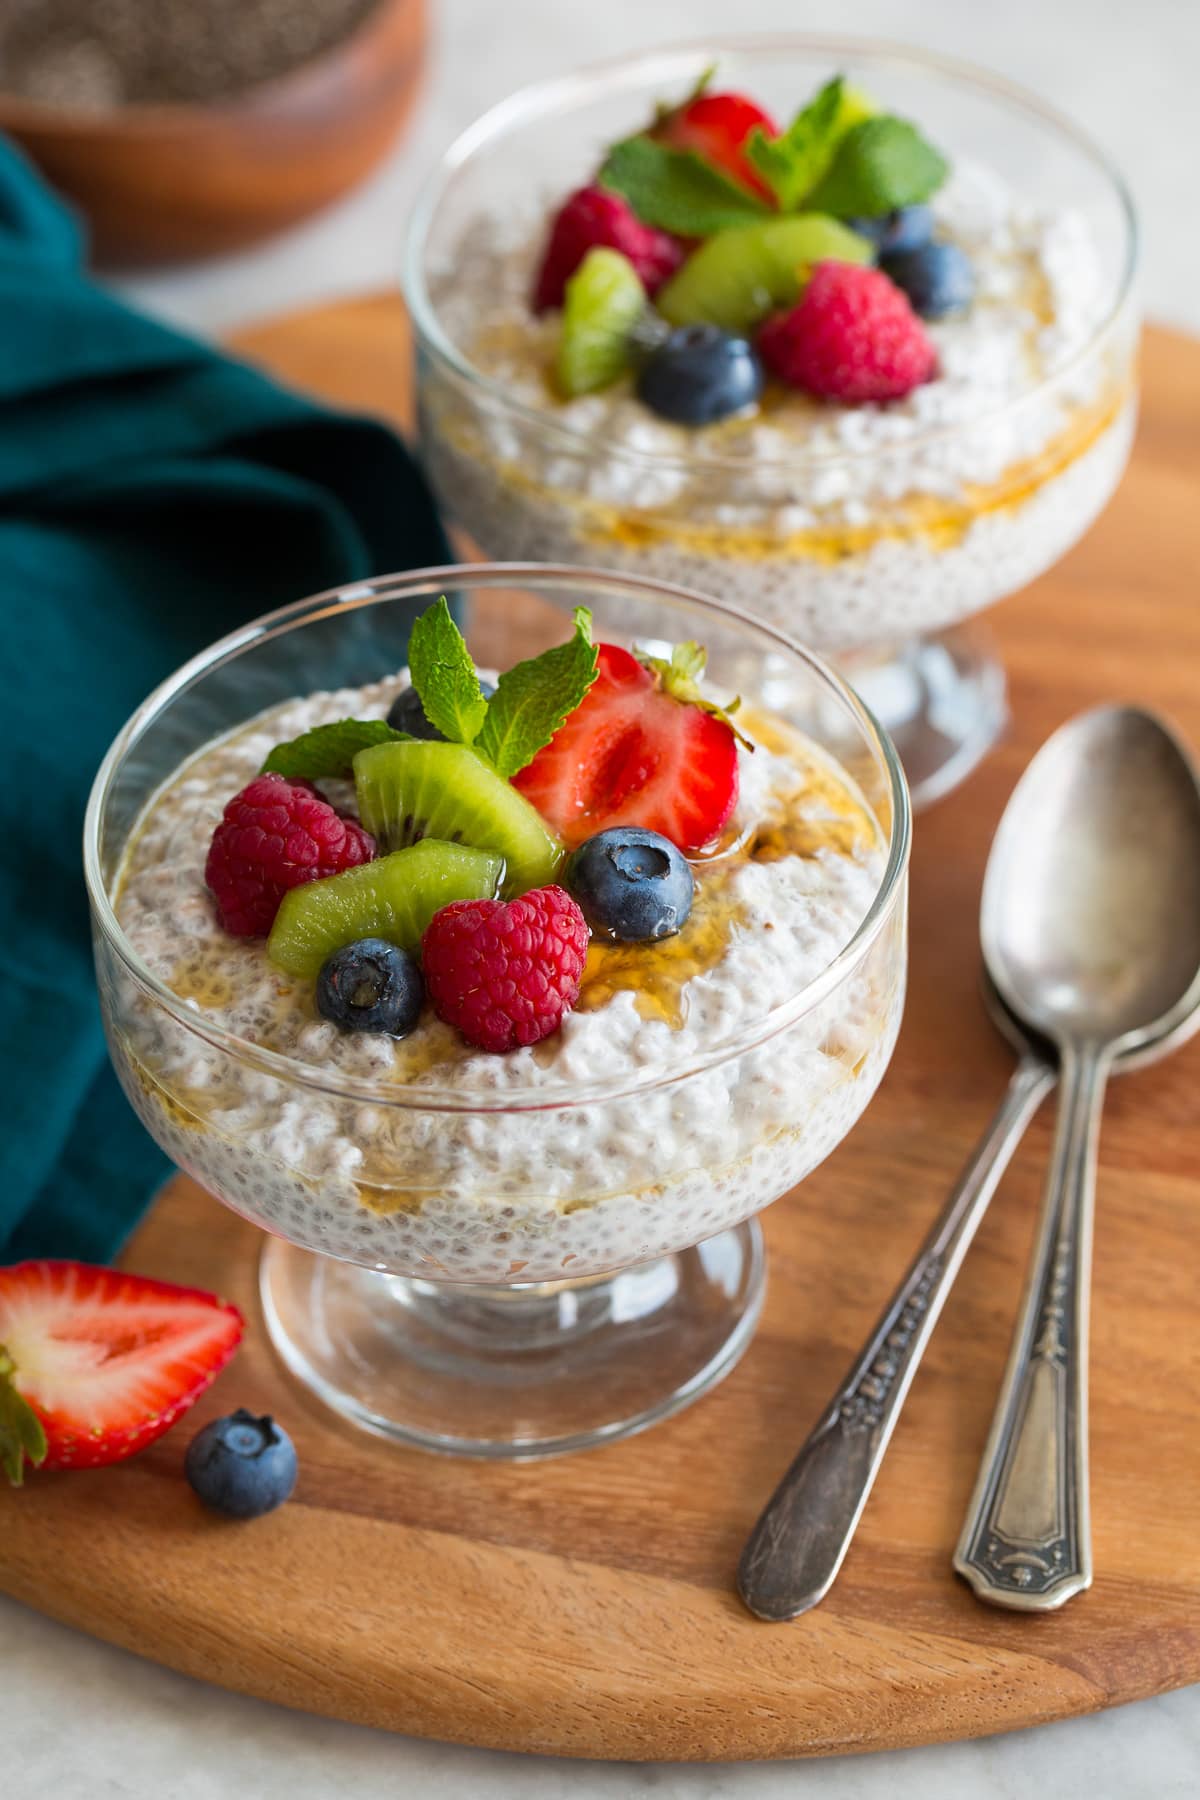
(792, 1556)
(1026, 1539)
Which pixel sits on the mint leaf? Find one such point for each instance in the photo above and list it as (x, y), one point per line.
(328, 750)
(677, 190)
(21, 1433)
(882, 164)
(794, 162)
(534, 697)
(444, 675)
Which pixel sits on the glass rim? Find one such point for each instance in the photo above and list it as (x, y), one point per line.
(366, 1090)
(678, 61)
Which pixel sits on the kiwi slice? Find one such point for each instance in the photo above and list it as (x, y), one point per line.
(393, 898)
(411, 791)
(604, 301)
(737, 278)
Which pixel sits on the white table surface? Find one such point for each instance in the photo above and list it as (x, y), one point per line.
(81, 1721)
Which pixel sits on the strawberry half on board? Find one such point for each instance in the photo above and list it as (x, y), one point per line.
(95, 1364)
(642, 748)
(715, 127)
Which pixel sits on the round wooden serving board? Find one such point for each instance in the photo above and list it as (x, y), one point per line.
(586, 1607)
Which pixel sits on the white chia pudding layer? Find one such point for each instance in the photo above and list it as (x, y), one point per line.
(847, 525)
(474, 1167)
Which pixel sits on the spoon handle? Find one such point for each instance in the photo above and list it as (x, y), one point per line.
(796, 1549)
(1026, 1539)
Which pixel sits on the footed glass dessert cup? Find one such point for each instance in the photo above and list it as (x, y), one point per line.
(511, 1255)
(873, 532)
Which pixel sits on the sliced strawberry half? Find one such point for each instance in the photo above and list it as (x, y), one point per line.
(716, 126)
(635, 753)
(95, 1364)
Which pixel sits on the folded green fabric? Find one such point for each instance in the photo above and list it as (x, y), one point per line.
(153, 494)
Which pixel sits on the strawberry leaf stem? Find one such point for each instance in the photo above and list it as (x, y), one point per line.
(681, 677)
(21, 1435)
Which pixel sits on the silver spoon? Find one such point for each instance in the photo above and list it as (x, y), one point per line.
(795, 1551)
(1091, 933)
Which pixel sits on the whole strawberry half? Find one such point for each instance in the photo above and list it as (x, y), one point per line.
(716, 126)
(95, 1364)
(639, 749)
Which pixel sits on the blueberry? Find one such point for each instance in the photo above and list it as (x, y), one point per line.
(905, 229)
(700, 374)
(407, 714)
(371, 985)
(241, 1466)
(632, 885)
(937, 278)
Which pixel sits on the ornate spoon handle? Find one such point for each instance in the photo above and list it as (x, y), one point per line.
(1026, 1540)
(795, 1551)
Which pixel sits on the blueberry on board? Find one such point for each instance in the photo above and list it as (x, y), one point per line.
(241, 1465)
(938, 278)
(891, 233)
(700, 374)
(632, 885)
(371, 985)
(407, 714)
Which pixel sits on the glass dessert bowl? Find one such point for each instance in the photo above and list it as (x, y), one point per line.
(870, 531)
(519, 1253)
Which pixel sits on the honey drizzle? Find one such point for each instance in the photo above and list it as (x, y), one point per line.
(190, 980)
(938, 523)
(820, 814)
(382, 1199)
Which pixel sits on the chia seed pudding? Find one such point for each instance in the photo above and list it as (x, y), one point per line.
(591, 1150)
(852, 526)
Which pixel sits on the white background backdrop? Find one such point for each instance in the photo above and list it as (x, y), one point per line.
(84, 1722)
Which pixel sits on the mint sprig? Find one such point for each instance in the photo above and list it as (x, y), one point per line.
(530, 703)
(793, 163)
(881, 164)
(533, 698)
(444, 675)
(676, 190)
(328, 751)
(22, 1437)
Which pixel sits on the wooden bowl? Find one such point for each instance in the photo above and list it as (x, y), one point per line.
(165, 183)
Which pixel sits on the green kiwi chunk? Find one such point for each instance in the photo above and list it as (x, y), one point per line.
(739, 277)
(605, 300)
(394, 897)
(407, 792)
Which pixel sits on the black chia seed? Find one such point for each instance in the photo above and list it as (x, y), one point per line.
(103, 54)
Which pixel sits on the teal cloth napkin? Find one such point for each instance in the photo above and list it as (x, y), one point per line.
(153, 494)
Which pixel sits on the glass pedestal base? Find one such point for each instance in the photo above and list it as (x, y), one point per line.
(942, 701)
(514, 1372)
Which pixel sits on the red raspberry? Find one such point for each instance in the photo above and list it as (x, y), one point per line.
(594, 217)
(273, 836)
(852, 337)
(505, 974)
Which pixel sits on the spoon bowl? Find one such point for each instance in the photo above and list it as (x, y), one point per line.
(1027, 1042)
(1091, 905)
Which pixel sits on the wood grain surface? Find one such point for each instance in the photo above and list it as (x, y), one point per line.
(586, 1607)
